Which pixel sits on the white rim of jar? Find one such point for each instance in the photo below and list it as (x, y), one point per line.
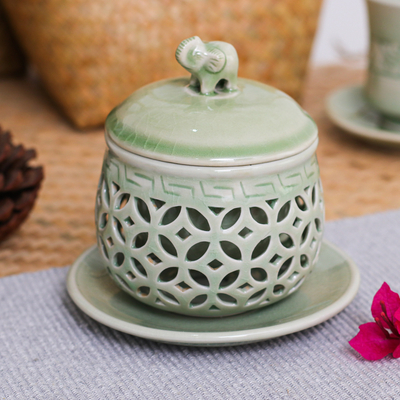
(211, 172)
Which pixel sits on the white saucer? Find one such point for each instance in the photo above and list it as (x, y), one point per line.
(328, 290)
(348, 108)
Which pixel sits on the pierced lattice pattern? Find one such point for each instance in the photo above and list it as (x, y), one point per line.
(209, 248)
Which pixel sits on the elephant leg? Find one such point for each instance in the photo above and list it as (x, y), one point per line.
(194, 81)
(208, 84)
(231, 84)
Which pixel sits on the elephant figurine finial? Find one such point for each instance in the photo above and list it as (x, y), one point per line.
(211, 64)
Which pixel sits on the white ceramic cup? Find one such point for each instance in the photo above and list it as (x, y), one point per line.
(383, 83)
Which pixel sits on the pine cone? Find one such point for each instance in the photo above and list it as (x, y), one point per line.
(19, 184)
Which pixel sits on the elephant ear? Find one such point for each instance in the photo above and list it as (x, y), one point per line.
(216, 61)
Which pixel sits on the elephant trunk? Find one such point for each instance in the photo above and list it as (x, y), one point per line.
(183, 50)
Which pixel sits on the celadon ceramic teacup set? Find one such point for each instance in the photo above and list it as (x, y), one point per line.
(372, 111)
(210, 205)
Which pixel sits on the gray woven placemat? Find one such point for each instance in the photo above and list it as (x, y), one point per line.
(49, 349)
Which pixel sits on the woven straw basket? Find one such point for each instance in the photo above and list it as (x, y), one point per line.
(91, 54)
(11, 60)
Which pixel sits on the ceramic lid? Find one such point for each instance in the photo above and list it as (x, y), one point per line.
(212, 118)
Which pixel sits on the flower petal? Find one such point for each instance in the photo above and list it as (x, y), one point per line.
(397, 326)
(396, 353)
(391, 300)
(397, 319)
(372, 343)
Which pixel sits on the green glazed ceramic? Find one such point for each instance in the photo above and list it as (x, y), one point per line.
(237, 122)
(329, 289)
(383, 84)
(209, 202)
(348, 108)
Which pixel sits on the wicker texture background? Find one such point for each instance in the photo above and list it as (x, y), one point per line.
(137, 41)
(357, 178)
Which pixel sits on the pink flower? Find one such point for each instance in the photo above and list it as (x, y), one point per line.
(382, 337)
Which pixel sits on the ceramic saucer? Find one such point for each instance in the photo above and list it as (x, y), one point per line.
(348, 108)
(328, 290)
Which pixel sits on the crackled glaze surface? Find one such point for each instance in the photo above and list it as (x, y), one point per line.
(209, 247)
(254, 125)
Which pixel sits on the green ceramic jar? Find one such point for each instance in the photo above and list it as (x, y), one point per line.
(209, 202)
